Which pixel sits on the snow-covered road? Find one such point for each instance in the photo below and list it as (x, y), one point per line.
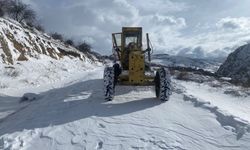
(77, 117)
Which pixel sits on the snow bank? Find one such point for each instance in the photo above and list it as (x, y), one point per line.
(41, 74)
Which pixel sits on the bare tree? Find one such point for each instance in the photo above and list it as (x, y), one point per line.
(16, 9)
(20, 11)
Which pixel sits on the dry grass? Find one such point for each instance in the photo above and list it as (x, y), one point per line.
(51, 53)
(7, 58)
(43, 49)
(22, 57)
(18, 46)
(68, 53)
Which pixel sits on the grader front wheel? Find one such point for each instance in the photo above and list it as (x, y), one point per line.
(162, 84)
(109, 83)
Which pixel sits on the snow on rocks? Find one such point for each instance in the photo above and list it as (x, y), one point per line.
(237, 66)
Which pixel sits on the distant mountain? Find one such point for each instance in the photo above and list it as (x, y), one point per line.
(182, 61)
(21, 43)
(199, 52)
(237, 65)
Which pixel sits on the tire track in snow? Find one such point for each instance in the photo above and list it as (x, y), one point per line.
(240, 127)
(195, 139)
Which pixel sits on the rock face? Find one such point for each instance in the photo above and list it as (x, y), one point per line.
(237, 66)
(22, 43)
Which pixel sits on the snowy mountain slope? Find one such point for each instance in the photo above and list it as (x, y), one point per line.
(77, 117)
(21, 43)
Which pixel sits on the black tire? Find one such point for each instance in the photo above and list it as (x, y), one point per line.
(163, 84)
(117, 72)
(109, 85)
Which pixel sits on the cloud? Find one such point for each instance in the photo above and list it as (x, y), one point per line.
(241, 23)
(161, 20)
(164, 7)
(188, 27)
(95, 20)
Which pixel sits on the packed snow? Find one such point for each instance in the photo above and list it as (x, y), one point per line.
(74, 115)
(36, 76)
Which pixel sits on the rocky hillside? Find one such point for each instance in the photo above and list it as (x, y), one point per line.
(19, 43)
(30, 58)
(237, 66)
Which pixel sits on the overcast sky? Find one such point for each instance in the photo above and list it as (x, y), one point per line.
(198, 27)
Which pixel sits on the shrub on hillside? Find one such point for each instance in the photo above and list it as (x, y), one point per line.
(84, 47)
(40, 28)
(69, 42)
(57, 36)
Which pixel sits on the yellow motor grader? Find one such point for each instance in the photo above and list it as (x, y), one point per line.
(131, 66)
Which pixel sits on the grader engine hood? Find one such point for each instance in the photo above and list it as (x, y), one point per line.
(136, 67)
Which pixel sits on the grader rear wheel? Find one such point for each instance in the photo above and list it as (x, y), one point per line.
(162, 84)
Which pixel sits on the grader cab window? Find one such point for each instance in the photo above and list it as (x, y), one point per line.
(129, 40)
(118, 38)
(132, 40)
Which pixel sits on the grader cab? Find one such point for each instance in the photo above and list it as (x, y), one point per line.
(131, 66)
